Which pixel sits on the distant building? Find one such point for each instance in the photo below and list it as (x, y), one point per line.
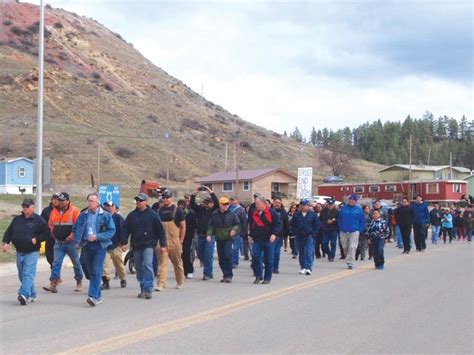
(270, 182)
(470, 185)
(400, 172)
(432, 190)
(17, 176)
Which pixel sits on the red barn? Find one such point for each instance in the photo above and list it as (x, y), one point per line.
(431, 190)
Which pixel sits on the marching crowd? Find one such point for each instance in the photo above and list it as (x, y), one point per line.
(96, 237)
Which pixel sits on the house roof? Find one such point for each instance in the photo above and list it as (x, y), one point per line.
(469, 177)
(12, 159)
(243, 175)
(425, 167)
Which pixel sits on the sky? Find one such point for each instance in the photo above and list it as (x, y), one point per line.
(287, 64)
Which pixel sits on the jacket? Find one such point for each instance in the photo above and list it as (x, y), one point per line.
(405, 215)
(285, 228)
(305, 226)
(447, 221)
(221, 224)
(203, 214)
(104, 229)
(263, 224)
(119, 237)
(329, 214)
(22, 230)
(378, 229)
(422, 215)
(240, 212)
(145, 229)
(351, 219)
(469, 218)
(61, 222)
(435, 217)
(191, 223)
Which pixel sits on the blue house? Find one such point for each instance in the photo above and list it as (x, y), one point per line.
(17, 176)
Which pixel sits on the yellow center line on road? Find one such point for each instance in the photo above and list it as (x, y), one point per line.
(134, 337)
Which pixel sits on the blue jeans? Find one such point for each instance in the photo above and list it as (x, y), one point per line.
(26, 265)
(94, 256)
(206, 249)
(305, 247)
(60, 250)
(224, 253)
(469, 234)
(330, 236)
(244, 248)
(276, 259)
(435, 234)
(398, 236)
(144, 266)
(376, 245)
(236, 250)
(268, 250)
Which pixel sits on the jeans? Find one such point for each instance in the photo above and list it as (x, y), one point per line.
(268, 250)
(276, 258)
(187, 255)
(349, 242)
(398, 236)
(236, 250)
(26, 265)
(224, 253)
(144, 266)
(318, 245)
(294, 249)
(330, 237)
(305, 247)
(60, 250)
(469, 234)
(206, 249)
(94, 256)
(244, 250)
(435, 230)
(405, 230)
(419, 231)
(377, 245)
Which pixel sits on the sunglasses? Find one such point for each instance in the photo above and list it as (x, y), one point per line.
(138, 200)
(166, 197)
(25, 205)
(225, 204)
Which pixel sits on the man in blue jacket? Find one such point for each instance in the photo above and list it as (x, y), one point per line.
(93, 231)
(351, 221)
(305, 226)
(422, 220)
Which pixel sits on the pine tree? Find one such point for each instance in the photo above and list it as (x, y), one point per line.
(313, 138)
(297, 136)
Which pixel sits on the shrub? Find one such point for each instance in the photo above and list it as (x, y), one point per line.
(58, 25)
(18, 31)
(108, 87)
(152, 118)
(96, 75)
(124, 152)
(192, 124)
(48, 6)
(34, 28)
(7, 22)
(63, 56)
(246, 145)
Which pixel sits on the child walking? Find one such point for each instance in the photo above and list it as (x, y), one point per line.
(378, 231)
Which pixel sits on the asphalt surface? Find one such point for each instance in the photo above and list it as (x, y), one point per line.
(420, 303)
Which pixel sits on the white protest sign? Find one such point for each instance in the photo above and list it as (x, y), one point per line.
(305, 183)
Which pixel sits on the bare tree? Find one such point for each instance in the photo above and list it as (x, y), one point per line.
(339, 163)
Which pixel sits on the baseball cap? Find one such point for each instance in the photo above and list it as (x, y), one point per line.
(141, 197)
(331, 201)
(63, 196)
(353, 197)
(224, 200)
(55, 195)
(167, 194)
(108, 203)
(233, 198)
(305, 202)
(28, 201)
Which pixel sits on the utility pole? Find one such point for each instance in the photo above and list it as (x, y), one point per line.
(236, 164)
(39, 129)
(167, 136)
(225, 156)
(98, 164)
(451, 165)
(429, 155)
(409, 173)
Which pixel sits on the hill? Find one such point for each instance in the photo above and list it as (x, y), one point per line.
(104, 102)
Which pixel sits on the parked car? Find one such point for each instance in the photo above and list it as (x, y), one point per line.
(333, 179)
(322, 200)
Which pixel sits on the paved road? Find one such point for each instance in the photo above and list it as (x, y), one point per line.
(420, 303)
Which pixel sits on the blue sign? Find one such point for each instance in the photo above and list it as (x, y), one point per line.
(109, 193)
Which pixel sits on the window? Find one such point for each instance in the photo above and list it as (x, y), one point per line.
(246, 185)
(374, 188)
(391, 188)
(345, 188)
(21, 172)
(358, 189)
(457, 188)
(227, 187)
(448, 175)
(276, 186)
(432, 188)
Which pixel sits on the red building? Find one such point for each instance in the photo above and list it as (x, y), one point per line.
(432, 190)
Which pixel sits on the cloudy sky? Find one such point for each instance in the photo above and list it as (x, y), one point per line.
(282, 64)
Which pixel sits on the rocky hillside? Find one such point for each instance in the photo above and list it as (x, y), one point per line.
(102, 95)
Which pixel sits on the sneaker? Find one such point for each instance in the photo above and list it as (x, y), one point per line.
(308, 272)
(246, 258)
(293, 257)
(160, 289)
(32, 299)
(148, 295)
(93, 302)
(141, 295)
(303, 271)
(350, 267)
(78, 286)
(105, 285)
(331, 260)
(123, 283)
(205, 278)
(257, 281)
(179, 286)
(276, 271)
(22, 300)
(52, 286)
(265, 282)
(190, 275)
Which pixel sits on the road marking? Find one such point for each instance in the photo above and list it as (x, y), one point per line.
(134, 337)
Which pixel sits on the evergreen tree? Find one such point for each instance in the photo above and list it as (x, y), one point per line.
(297, 136)
(313, 138)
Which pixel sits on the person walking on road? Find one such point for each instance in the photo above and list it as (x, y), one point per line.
(191, 223)
(435, 219)
(145, 230)
(174, 224)
(283, 215)
(405, 217)
(49, 243)
(329, 217)
(224, 225)
(305, 225)
(420, 223)
(240, 244)
(60, 222)
(264, 226)
(26, 231)
(351, 223)
(93, 231)
(378, 231)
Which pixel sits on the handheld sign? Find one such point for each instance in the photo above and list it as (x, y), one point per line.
(109, 193)
(305, 183)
